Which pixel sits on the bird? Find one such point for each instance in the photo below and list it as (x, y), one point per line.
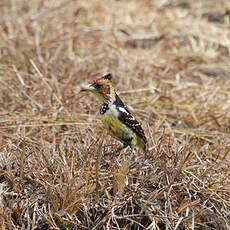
(114, 114)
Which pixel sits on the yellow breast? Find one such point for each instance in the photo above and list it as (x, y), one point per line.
(117, 129)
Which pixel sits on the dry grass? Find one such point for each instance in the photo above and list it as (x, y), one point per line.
(170, 61)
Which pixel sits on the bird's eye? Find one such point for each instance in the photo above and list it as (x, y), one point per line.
(98, 86)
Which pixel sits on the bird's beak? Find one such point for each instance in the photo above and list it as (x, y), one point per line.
(88, 88)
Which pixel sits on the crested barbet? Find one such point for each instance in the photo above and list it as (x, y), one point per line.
(116, 118)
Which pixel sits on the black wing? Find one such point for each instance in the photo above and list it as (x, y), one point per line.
(128, 119)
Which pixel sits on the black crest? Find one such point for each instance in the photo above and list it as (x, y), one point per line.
(108, 76)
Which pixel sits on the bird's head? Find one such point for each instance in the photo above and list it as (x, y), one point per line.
(102, 88)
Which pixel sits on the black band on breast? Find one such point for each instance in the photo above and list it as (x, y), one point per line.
(104, 108)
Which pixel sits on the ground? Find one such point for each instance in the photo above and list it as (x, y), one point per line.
(170, 61)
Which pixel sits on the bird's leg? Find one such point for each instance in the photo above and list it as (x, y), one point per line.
(120, 148)
(148, 153)
(133, 152)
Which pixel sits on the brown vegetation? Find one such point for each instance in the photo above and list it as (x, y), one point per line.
(170, 61)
